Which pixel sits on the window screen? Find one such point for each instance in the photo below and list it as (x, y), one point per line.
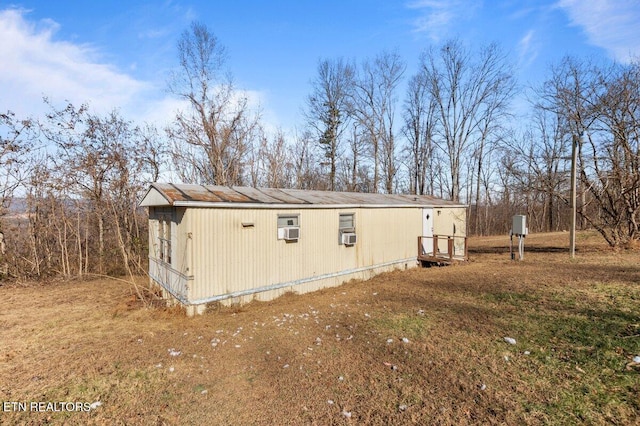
(347, 221)
(288, 220)
(164, 237)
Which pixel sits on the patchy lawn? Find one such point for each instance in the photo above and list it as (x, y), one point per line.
(424, 346)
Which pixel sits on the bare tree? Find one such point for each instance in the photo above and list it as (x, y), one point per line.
(468, 93)
(613, 176)
(88, 189)
(374, 108)
(492, 116)
(352, 164)
(572, 92)
(80, 195)
(538, 163)
(419, 128)
(16, 140)
(212, 136)
(306, 163)
(328, 109)
(390, 69)
(275, 160)
(598, 107)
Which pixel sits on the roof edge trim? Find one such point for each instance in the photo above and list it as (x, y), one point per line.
(308, 206)
(154, 198)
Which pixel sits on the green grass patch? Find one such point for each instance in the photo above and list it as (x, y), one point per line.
(407, 325)
(583, 347)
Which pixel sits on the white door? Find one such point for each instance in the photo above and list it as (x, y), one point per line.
(427, 231)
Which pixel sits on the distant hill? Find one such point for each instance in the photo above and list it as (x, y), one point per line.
(17, 205)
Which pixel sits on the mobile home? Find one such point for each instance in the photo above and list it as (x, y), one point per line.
(236, 244)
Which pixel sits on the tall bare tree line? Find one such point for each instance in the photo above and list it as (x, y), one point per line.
(451, 133)
(80, 190)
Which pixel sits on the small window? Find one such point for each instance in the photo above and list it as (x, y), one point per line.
(347, 229)
(285, 221)
(347, 222)
(164, 238)
(289, 227)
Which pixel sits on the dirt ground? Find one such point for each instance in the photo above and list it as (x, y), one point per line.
(423, 346)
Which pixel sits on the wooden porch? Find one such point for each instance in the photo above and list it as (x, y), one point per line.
(442, 249)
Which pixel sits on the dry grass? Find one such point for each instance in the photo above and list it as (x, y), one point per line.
(312, 359)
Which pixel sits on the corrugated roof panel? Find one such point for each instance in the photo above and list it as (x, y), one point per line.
(319, 197)
(346, 198)
(202, 193)
(187, 193)
(179, 193)
(258, 195)
(283, 196)
(229, 195)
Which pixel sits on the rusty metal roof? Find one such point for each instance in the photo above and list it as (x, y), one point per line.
(168, 194)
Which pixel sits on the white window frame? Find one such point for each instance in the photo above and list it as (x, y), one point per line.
(294, 218)
(287, 220)
(164, 238)
(344, 229)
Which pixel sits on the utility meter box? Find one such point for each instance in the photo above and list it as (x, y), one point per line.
(519, 226)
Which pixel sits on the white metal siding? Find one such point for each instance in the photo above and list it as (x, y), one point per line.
(444, 220)
(227, 257)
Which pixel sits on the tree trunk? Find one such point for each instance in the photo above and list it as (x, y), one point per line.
(100, 243)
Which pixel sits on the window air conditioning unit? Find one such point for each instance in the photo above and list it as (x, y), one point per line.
(349, 238)
(291, 233)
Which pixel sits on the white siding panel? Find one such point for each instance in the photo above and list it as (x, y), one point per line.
(227, 257)
(443, 225)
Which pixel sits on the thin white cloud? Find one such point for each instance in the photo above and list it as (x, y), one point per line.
(522, 13)
(34, 65)
(436, 17)
(161, 111)
(609, 24)
(154, 33)
(528, 49)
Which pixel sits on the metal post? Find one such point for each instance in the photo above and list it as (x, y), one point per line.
(572, 233)
(511, 245)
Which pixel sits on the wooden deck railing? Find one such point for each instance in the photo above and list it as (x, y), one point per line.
(440, 248)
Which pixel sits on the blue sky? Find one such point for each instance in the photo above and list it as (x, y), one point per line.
(118, 54)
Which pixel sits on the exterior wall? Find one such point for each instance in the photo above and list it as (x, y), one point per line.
(450, 221)
(216, 258)
(226, 257)
(175, 275)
